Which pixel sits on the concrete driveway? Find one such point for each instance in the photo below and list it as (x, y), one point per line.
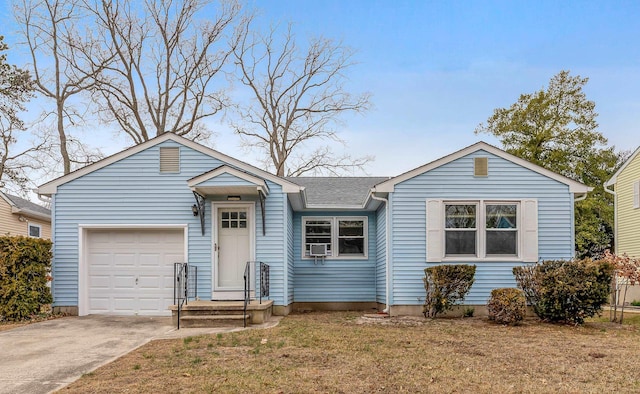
(42, 357)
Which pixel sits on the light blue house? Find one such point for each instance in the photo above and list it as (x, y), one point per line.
(332, 243)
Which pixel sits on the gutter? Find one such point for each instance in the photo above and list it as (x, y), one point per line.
(581, 198)
(388, 249)
(30, 213)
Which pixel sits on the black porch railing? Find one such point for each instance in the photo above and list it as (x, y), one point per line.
(185, 285)
(262, 279)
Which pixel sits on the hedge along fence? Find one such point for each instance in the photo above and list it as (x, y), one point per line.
(25, 264)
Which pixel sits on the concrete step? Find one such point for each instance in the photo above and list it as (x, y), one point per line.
(217, 313)
(201, 321)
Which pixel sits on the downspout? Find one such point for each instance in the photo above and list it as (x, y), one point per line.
(615, 215)
(387, 251)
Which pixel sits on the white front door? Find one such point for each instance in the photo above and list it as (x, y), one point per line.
(233, 242)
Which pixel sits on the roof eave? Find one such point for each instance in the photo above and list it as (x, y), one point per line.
(30, 213)
(612, 181)
(389, 186)
(51, 187)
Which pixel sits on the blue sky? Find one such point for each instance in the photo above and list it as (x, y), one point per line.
(437, 69)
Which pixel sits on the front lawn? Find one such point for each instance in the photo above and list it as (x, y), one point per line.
(340, 353)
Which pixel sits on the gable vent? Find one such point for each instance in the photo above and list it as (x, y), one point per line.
(169, 159)
(481, 166)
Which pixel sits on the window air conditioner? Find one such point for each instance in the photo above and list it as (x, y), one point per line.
(317, 250)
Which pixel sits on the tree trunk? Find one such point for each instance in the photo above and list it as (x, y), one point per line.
(66, 161)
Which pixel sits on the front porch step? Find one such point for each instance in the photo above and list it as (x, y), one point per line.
(221, 313)
(212, 321)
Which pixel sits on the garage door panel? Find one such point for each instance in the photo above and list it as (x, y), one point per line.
(151, 259)
(124, 259)
(100, 304)
(116, 258)
(100, 281)
(149, 306)
(126, 282)
(125, 238)
(99, 238)
(124, 305)
(100, 259)
(151, 282)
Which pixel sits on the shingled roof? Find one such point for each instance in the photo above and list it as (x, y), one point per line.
(337, 191)
(26, 205)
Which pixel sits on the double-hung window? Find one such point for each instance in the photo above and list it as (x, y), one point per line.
(482, 229)
(318, 232)
(339, 237)
(461, 229)
(501, 229)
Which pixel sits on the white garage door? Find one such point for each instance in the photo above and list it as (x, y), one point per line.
(130, 272)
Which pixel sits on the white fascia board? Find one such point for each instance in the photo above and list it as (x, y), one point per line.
(389, 186)
(259, 182)
(51, 187)
(614, 178)
(8, 200)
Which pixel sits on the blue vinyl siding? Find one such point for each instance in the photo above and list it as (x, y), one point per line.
(270, 248)
(338, 280)
(381, 252)
(133, 191)
(455, 180)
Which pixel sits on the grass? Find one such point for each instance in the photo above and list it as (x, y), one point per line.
(339, 353)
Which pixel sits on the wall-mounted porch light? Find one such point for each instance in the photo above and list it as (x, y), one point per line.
(194, 209)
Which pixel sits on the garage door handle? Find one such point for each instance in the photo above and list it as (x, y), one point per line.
(136, 281)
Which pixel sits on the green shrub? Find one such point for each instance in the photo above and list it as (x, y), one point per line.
(507, 306)
(24, 271)
(468, 312)
(566, 290)
(446, 285)
(635, 303)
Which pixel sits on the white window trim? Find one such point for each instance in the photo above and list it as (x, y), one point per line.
(39, 227)
(335, 238)
(526, 231)
(636, 194)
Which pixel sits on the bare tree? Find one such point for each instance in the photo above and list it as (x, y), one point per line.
(297, 97)
(18, 163)
(161, 64)
(60, 69)
(16, 88)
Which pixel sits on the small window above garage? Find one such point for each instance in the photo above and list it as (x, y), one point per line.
(169, 160)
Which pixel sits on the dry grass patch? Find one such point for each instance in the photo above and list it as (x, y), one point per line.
(343, 353)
